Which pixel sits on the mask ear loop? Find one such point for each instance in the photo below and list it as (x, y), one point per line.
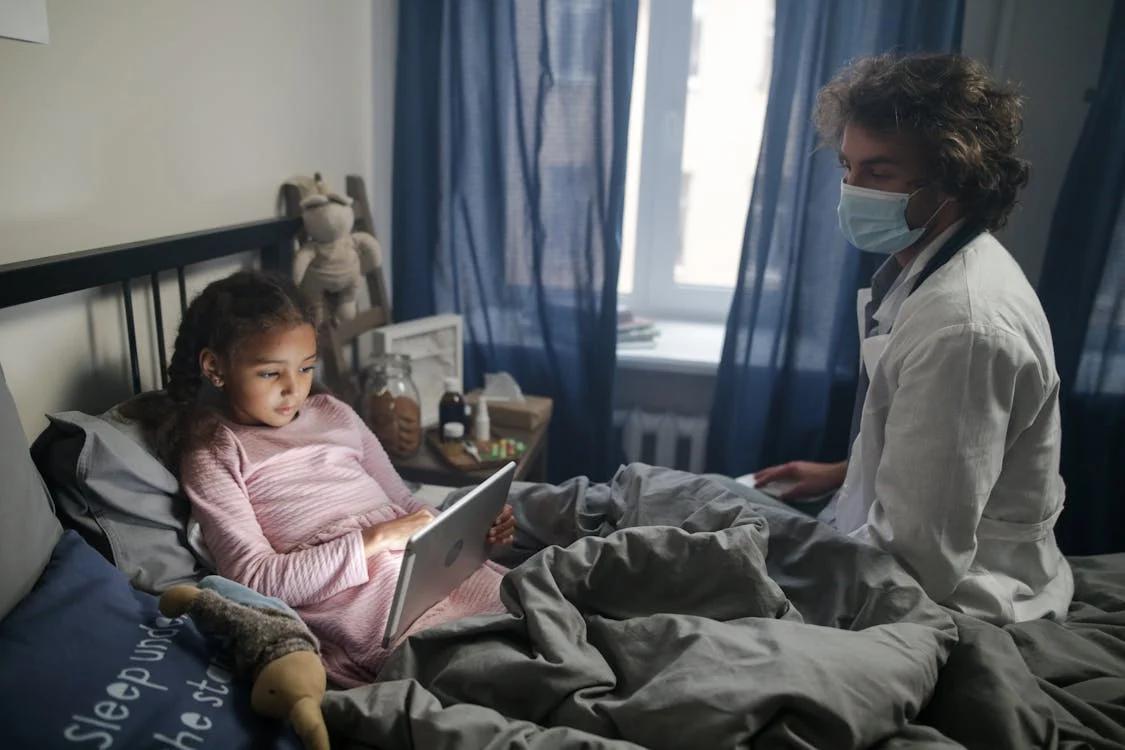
(937, 211)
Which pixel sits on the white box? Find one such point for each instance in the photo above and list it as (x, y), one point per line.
(434, 345)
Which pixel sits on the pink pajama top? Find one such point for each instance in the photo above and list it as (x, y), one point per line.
(282, 510)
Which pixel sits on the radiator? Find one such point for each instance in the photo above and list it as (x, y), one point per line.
(662, 439)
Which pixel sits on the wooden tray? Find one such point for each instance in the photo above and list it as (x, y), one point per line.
(456, 456)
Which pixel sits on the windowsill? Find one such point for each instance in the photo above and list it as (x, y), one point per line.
(682, 346)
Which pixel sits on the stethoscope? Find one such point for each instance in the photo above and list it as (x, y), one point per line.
(962, 237)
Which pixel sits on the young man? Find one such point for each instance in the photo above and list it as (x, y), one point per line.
(955, 440)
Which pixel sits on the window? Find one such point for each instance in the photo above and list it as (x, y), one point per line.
(701, 79)
(575, 26)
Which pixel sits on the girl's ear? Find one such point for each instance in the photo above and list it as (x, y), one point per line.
(209, 365)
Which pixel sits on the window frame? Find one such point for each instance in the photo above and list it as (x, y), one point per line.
(671, 25)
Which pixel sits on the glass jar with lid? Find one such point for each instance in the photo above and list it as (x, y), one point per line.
(391, 405)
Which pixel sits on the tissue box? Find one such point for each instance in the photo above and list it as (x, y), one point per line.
(528, 414)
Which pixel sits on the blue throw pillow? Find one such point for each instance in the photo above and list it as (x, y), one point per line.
(86, 661)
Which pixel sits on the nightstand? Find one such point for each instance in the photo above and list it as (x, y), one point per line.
(427, 468)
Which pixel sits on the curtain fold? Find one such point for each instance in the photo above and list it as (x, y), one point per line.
(1082, 288)
(510, 141)
(787, 379)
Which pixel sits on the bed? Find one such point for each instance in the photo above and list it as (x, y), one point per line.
(86, 659)
(661, 609)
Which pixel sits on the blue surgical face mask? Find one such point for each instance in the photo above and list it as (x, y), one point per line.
(875, 220)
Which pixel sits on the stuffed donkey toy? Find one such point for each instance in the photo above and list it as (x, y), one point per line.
(269, 642)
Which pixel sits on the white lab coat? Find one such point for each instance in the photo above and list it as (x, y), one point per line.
(955, 468)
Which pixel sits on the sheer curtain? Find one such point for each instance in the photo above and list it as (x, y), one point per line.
(510, 129)
(787, 379)
(1083, 292)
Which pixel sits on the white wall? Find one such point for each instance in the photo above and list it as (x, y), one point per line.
(1053, 50)
(383, 53)
(142, 119)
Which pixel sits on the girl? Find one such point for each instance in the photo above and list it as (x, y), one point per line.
(294, 495)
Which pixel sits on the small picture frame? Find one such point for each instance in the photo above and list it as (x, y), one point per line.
(434, 345)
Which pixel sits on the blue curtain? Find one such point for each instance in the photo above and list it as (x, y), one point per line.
(787, 380)
(1082, 287)
(509, 169)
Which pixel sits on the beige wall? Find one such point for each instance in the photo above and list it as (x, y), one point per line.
(1053, 51)
(147, 118)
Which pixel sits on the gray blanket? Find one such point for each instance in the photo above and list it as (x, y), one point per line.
(669, 610)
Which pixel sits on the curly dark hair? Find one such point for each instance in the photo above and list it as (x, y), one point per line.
(220, 318)
(968, 125)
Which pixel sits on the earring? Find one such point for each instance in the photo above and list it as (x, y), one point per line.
(217, 381)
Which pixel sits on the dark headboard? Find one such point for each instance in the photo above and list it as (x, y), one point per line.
(120, 264)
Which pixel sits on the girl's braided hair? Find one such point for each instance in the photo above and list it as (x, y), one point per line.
(220, 318)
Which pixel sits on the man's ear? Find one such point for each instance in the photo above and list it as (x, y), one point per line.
(923, 207)
(952, 209)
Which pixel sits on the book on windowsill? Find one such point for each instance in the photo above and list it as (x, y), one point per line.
(643, 335)
(626, 317)
(638, 340)
(637, 324)
(642, 344)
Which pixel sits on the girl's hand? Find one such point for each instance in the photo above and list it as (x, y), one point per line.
(503, 529)
(393, 535)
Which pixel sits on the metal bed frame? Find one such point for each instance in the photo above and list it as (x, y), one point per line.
(32, 280)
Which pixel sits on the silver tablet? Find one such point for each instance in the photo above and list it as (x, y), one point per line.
(441, 556)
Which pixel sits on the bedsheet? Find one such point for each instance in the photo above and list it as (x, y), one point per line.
(665, 609)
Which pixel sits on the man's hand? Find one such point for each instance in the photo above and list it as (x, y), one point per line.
(394, 534)
(808, 479)
(503, 529)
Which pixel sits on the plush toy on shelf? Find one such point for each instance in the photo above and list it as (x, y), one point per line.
(329, 268)
(269, 643)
